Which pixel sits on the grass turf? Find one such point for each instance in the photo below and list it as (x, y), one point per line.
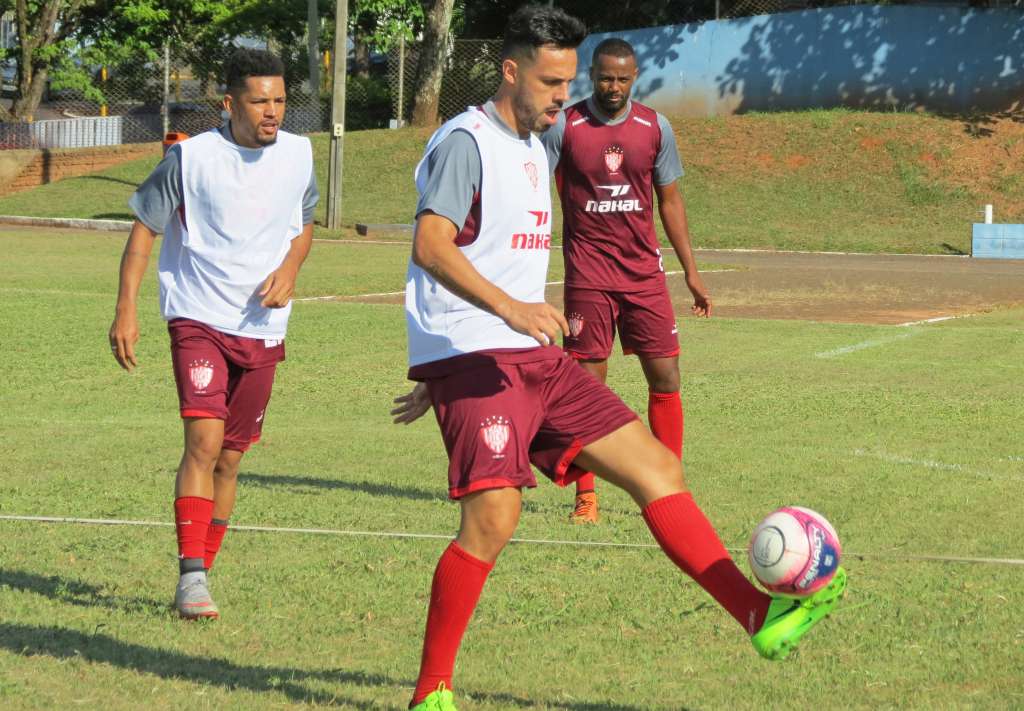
(910, 447)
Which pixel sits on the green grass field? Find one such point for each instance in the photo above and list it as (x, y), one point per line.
(815, 180)
(911, 448)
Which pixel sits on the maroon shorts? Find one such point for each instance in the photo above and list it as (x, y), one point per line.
(502, 413)
(224, 377)
(645, 322)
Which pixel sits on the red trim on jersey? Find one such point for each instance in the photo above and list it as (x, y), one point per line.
(471, 228)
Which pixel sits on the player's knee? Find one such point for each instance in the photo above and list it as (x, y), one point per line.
(204, 447)
(665, 382)
(226, 470)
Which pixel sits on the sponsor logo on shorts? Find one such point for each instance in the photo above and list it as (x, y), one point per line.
(576, 323)
(495, 432)
(531, 173)
(200, 372)
(272, 342)
(613, 157)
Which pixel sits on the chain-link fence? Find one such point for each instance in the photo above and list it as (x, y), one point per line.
(181, 90)
(472, 72)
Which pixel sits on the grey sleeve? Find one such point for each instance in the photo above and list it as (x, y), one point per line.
(310, 199)
(454, 173)
(552, 140)
(160, 194)
(667, 167)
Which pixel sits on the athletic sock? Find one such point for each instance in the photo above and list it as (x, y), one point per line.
(665, 415)
(687, 537)
(458, 580)
(214, 537)
(585, 484)
(192, 516)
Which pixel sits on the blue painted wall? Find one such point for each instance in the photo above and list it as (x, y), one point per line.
(861, 56)
(998, 241)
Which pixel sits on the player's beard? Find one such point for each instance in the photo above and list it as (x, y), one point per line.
(609, 106)
(528, 115)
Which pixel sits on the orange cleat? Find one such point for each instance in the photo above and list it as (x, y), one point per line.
(585, 510)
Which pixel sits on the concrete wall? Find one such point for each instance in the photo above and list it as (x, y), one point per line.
(944, 59)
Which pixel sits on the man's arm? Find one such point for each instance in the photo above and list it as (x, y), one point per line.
(124, 331)
(435, 252)
(672, 210)
(280, 285)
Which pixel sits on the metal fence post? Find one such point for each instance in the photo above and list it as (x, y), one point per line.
(401, 81)
(165, 108)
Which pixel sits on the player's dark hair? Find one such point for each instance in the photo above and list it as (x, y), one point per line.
(534, 26)
(244, 63)
(613, 47)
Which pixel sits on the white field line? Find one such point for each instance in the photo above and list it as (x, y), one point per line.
(935, 465)
(737, 250)
(448, 537)
(872, 343)
(356, 297)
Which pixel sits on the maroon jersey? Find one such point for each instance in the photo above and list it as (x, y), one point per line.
(605, 180)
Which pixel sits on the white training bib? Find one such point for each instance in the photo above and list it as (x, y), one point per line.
(510, 250)
(241, 208)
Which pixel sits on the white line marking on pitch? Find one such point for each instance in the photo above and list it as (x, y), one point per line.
(448, 537)
(356, 297)
(932, 464)
(864, 344)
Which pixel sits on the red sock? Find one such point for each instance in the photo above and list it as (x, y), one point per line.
(686, 536)
(665, 415)
(458, 580)
(218, 527)
(192, 516)
(585, 484)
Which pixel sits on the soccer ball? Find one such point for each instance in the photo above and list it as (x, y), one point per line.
(794, 551)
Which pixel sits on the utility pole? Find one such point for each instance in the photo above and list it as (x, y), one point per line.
(334, 172)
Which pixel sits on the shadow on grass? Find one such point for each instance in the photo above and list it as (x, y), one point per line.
(401, 492)
(63, 643)
(951, 249)
(113, 216)
(75, 592)
(109, 179)
(365, 487)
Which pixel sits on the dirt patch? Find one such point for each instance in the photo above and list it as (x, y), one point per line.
(836, 288)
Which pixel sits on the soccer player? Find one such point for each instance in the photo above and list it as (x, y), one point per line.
(235, 206)
(482, 344)
(610, 155)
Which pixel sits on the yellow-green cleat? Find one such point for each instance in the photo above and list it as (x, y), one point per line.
(789, 618)
(440, 700)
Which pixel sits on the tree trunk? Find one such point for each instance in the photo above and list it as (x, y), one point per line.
(38, 30)
(431, 62)
(313, 46)
(361, 58)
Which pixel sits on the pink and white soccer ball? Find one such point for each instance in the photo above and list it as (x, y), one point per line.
(794, 551)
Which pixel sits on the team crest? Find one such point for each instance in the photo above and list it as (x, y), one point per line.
(495, 431)
(531, 172)
(200, 372)
(613, 157)
(575, 325)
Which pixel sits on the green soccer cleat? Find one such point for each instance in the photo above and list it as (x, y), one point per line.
(440, 700)
(789, 618)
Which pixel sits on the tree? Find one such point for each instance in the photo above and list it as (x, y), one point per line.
(431, 64)
(44, 29)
